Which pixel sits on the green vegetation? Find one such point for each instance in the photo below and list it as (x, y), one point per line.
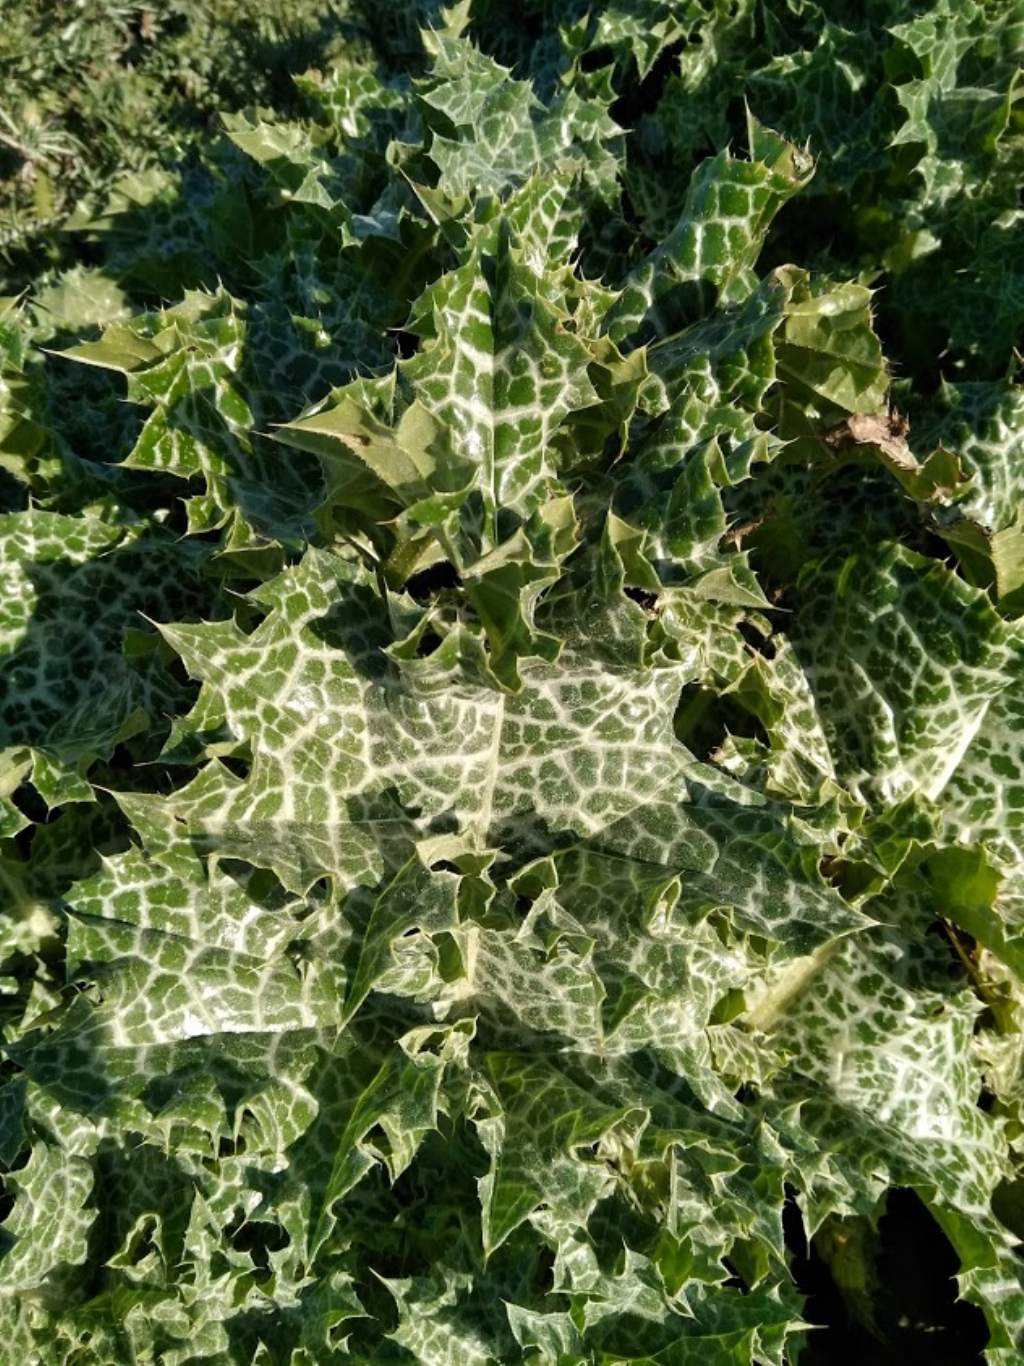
(511, 711)
(97, 88)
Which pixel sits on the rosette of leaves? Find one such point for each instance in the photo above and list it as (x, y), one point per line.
(508, 805)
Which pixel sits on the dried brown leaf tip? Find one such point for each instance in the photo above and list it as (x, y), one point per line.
(939, 478)
(736, 535)
(886, 429)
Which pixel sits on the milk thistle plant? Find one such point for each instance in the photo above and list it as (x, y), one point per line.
(512, 705)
